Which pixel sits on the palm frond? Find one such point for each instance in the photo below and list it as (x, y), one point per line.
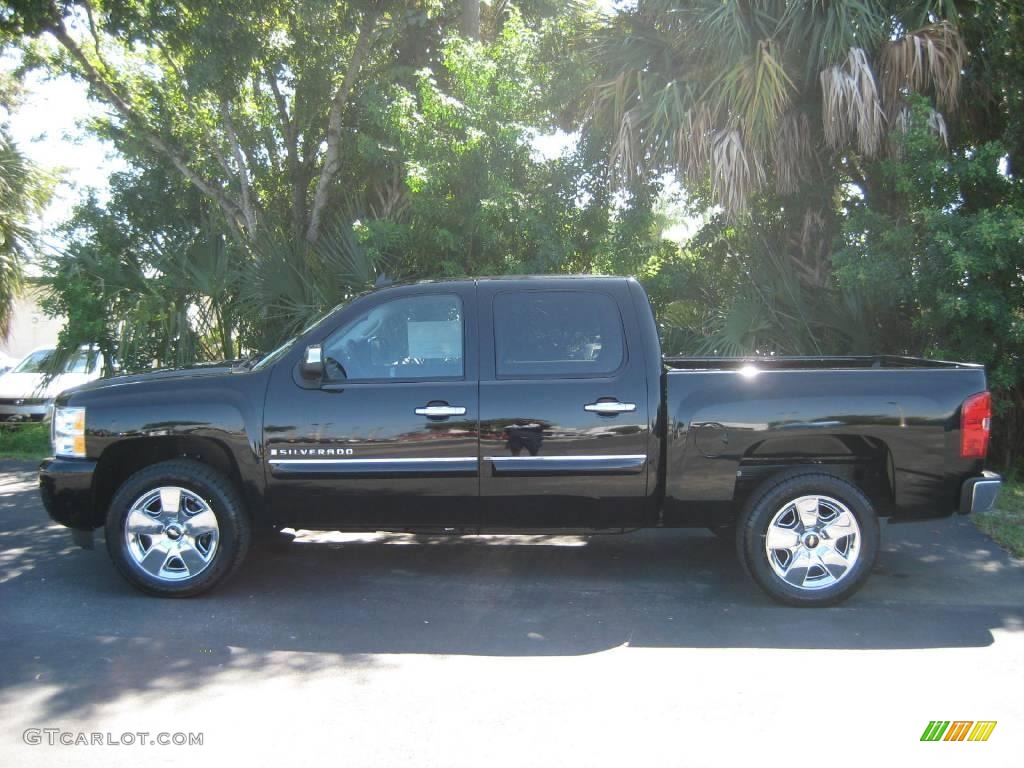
(930, 59)
(20, 196)
(756, 91)
(736, 171)
(289, 283)
(851, 107)
(693, 141)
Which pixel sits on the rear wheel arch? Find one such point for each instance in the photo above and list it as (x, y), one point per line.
(865, 462)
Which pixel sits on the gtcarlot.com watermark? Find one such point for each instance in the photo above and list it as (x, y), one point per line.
(57, 737)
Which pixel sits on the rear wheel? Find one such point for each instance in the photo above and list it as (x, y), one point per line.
(177, 528)
(809, 539)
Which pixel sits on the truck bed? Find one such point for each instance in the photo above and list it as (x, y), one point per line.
(890, 424)
(823, 362)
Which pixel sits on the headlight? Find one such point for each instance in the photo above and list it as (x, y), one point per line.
(69, 432)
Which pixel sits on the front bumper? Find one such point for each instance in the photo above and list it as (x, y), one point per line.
(25, 408)
(978, 494)
(66, 488)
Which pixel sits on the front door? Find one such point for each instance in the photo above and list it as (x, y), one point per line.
(389, 438)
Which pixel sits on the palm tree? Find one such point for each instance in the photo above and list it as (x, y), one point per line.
(744, 95)
(21, 194)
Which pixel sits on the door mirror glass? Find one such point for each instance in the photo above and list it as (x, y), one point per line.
(312, 366)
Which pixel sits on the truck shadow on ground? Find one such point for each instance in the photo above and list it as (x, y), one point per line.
(329, 600)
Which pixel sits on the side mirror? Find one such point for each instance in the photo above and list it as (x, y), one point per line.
(312, 365)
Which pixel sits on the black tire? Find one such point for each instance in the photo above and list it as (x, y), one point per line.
(778, 497)
(200, 484)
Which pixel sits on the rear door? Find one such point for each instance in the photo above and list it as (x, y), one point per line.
(563, 405)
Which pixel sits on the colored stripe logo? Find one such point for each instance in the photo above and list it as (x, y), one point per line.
(958, 730)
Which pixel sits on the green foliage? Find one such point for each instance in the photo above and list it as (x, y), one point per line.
(25, 440)
(472, 198)
(730, 292)
(1005, 523)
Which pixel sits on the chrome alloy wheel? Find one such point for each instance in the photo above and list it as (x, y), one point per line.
(813, 542)
(172, 534)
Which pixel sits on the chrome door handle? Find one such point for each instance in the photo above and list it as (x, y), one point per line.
(609, 407)
(441, 411)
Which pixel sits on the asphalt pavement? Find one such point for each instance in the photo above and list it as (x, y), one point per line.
(644, 649)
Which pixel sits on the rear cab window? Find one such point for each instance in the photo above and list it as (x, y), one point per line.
(560, 334)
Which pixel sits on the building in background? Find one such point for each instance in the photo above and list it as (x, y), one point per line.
(30, 327)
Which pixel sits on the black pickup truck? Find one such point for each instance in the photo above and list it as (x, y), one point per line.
(512, 405)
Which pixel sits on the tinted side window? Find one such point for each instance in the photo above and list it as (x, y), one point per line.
(417, 337)
(556, 333)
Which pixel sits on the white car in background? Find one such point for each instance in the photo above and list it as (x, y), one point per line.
(24, 393)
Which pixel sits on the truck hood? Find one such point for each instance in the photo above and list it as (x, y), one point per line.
(160, 375)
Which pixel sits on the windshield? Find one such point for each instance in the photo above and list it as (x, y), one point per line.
(37, 362)
(281, 351)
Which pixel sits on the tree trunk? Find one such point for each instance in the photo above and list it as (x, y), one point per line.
(332, 157)
(471, 19)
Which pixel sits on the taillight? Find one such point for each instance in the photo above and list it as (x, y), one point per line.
(975, 425)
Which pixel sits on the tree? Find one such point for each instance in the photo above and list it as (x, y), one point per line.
(228, 93)
(993, 88)
(747, 97)
(24, 190)
(473, 198)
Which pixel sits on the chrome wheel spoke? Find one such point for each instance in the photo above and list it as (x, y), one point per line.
(201, 523)
(156, 557)
(798, 568)
(141, 524)
(194, 561)
(807, 511)
(781, 538)
(822, 576)
(842, 526)
(170, 500)
(833, 562)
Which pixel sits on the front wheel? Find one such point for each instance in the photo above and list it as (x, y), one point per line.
(177, 528)
(810, 539)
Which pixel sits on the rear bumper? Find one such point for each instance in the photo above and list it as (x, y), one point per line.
(978, 494)
(66, 488)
